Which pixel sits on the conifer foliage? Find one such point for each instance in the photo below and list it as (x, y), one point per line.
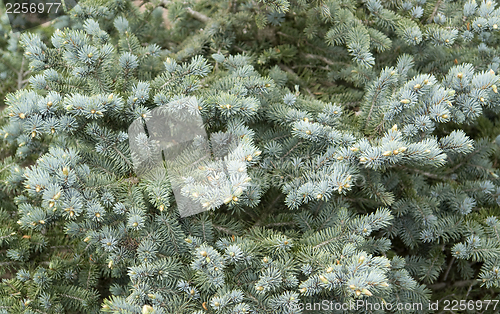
(340, 155)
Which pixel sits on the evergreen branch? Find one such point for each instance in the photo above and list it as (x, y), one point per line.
(20, 75)
(324, 59)
(311, 148)
(430, 267)
(123, 157)
(296, 77)
(72, 297)
(449, 268)
(290, 150)
(199, 16)
(223, 229)
(436, 7)
(279, 224)
(271, 208)
(317, 246)
(451, 170)
(374, 100)
(425, 173)
(460, 283)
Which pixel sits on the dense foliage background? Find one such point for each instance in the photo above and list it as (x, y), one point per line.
(350, 153)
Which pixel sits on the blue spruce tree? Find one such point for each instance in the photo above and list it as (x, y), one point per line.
(253, 157)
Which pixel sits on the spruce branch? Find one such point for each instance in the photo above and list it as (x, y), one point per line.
(199, 16)
(434, 12)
